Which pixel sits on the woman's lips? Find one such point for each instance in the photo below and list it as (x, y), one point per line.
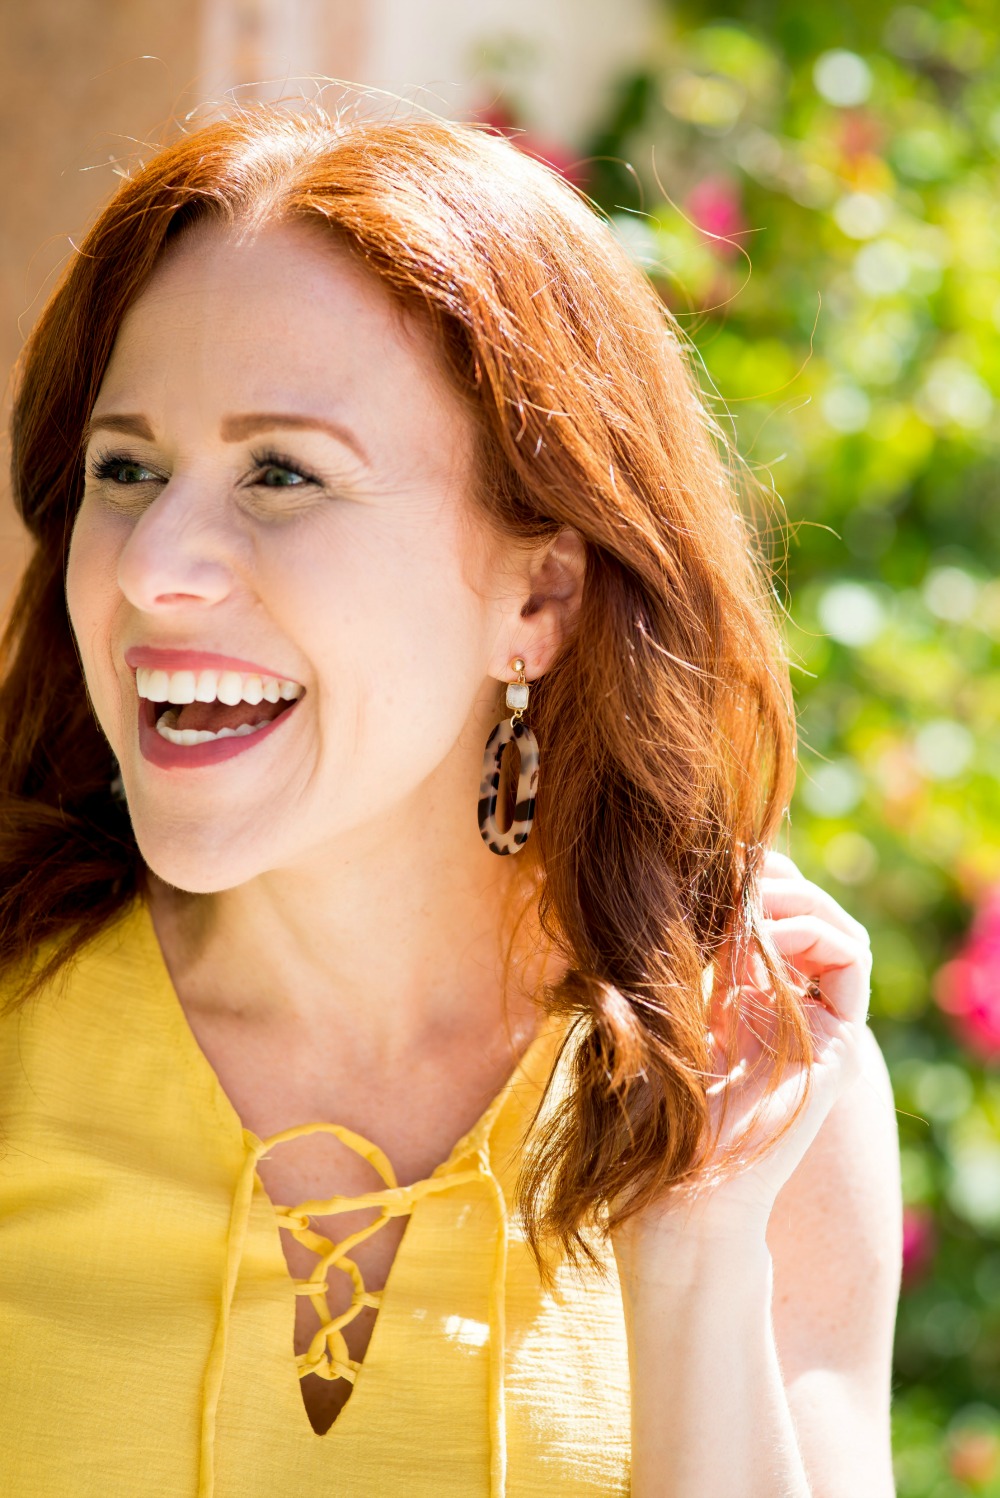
(158, 658)
(164, 755)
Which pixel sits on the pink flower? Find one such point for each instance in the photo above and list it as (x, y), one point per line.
(968, 987)
(715, 206)
(919, 1243)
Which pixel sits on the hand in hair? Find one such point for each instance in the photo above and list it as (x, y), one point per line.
(827, 956)
(775, 1327)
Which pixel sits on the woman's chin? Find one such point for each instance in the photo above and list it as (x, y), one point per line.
(181, 875)
(194, 861)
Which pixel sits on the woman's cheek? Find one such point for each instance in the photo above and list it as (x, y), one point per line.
(92, 601)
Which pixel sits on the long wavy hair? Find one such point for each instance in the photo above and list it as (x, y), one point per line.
(665, 726)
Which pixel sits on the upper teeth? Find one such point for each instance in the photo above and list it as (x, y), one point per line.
(229, 687)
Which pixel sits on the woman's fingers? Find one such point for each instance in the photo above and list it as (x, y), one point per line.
(785, 891)
(826, 954)
(819, 940)
(789, 897)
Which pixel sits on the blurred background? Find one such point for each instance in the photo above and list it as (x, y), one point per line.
(816, 194)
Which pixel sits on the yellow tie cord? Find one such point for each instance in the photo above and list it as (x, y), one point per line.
(327, 1354)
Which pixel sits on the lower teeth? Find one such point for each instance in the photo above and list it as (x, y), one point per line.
(165, 728)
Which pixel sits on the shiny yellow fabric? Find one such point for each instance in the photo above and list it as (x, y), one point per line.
(146, 1309)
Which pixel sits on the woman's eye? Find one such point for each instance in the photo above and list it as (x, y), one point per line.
(275, 472)
(275, 477)
(119, 470)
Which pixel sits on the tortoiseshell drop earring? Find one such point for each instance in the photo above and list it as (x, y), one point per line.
(514, 839)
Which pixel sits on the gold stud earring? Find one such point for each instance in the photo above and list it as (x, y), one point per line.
(517, 691)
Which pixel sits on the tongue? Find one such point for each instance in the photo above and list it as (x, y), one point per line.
(211, 716)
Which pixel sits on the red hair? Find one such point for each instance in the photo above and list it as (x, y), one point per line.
(665, 725)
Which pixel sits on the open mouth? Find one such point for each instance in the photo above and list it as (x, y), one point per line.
(189, 708)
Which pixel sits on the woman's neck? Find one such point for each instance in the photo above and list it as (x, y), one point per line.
(390, 956)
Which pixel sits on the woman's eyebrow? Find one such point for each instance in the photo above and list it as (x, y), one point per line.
(130, 426)
(238, 428)
(233, 428)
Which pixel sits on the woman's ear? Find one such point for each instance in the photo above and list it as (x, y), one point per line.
(549, 613)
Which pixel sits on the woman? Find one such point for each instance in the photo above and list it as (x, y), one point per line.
(349, 449)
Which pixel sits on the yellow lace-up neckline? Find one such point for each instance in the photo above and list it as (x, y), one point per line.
(128, 1180)
(327, 1355)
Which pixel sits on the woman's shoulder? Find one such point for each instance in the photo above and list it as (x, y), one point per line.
(78, 996)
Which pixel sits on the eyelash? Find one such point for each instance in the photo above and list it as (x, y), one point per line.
(269, 458)
(104, 465)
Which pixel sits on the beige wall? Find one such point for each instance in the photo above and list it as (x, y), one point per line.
(75, 89)
(86, 82)
(560, 57)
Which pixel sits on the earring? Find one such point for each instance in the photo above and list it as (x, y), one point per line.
(514, 839)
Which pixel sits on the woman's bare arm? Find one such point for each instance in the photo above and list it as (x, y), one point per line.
(836, 1241)
(761, 1364)
(760, 1320)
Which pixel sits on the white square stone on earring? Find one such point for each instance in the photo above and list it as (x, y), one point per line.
(517, 694)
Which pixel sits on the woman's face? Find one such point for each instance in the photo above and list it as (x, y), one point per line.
(278, 520)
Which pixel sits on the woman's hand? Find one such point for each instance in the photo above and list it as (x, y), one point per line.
(829, 956)
(699, 1281)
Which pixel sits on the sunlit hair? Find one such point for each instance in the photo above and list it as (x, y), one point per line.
(665, 728)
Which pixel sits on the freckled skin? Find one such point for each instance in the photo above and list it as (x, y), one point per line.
(369, 586)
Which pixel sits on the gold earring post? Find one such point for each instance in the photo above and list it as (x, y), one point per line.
(517, 691)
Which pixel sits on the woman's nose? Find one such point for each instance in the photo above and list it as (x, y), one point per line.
(178, 553)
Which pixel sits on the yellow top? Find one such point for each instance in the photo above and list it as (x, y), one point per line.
(147, 1312)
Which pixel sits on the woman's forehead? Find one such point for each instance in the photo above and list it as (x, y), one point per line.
(239, 322)
(288, 276)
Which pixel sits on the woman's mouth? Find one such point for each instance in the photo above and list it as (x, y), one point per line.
(191, 718)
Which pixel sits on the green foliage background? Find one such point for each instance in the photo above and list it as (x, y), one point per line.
(850, 323)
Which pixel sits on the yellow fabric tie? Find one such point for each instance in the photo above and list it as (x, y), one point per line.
(327, 1354)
